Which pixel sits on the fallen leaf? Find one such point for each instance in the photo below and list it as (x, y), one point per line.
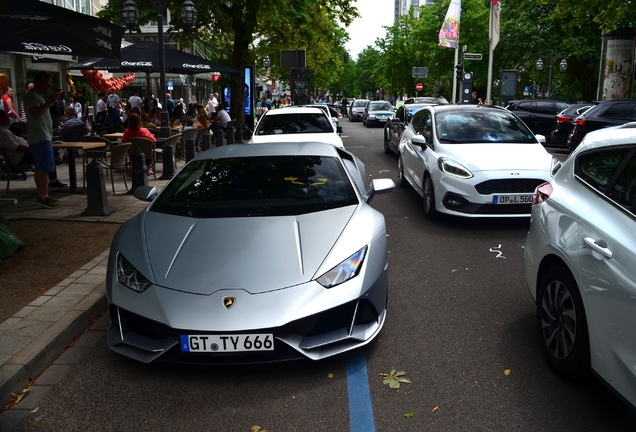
(409, 414)
(394, 378)
(21, 395)
(507, 372)
(330, 375)
(42, 289)
(36, 409)
(435, 409)
(256, 428)
(285, 406)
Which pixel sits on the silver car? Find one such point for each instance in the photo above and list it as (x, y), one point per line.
(580, 257)
(356, 110)
(250, 254)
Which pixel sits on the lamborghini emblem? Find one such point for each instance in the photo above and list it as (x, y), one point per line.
(228, 302)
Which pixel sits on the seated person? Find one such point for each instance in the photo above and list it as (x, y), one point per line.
(132, 110)
(147, 123)
(189, 124)
(202, 122)
(156, 117)
(136, 130)
(69, 123)
(222, 118)
(18, 151)
(112, 117)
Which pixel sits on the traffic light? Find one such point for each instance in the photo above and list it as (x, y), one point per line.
(459, 69)
(346, 57)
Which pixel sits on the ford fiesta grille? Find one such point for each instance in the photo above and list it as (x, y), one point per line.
(501, 186)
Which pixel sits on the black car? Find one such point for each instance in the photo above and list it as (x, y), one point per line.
(565, 122)
(607, 113)
(538, 114)
(394, 127)
(377, 113)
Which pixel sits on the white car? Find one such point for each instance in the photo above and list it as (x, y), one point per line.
(473, 161)
(299, 124)
(580, 253)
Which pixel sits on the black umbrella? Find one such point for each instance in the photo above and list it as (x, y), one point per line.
(32, 26)
(144, 57)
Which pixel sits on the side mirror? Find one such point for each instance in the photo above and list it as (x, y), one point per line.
(540, 138)
(378, 186)
(145, 193)
(419, 140)
(339, 129)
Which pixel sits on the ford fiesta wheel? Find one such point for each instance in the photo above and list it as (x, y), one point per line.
(428, 195)
(561, 323)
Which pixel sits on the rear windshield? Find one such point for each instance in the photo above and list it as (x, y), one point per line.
(359, 103)
(294, 123)
(479, 126)
(257, 186)
(378, 106)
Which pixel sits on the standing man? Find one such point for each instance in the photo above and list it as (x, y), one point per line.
(343, 106)
(39, 135)
(210, 107)
(170, 104)
(474, 99)
(83, 115)
(135, 101)
(113, 101)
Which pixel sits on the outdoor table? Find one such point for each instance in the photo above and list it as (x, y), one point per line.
(72, 146)
(113, 136)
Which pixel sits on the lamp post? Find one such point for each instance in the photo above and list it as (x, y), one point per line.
(131, 17)
(552, 57)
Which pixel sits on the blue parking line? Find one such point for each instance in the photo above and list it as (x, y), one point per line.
(360, 409)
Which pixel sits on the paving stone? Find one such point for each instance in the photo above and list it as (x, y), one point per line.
(47, 313)
(53, 374)
(90, 339)
(40, 301)
(73, 355)
(80, 289)
(4, 358)
(10, 419)
(25, 311)
(8, 324)
(12, 344)
(62, 300)
(28, 328)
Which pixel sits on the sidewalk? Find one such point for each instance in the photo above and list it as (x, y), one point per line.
(41, 331)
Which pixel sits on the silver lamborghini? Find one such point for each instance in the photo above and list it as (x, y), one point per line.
(251, 254)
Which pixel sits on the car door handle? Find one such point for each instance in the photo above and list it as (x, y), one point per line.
(599, 246)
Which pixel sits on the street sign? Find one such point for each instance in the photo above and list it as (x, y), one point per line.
(170, 86)
(419, 87)
(471, 56)
(420, 72)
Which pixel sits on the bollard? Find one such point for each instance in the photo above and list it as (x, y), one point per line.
(190, 149)
(230, 133)
(139, 170)
(218, 135)
(168, 162)
(96, 191)
(205, 142)
(238, 134)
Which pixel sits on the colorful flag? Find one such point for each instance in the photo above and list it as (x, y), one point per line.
(494, 23)
(449, 34)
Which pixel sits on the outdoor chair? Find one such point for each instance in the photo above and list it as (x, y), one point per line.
(148, 148)
(8, 169)
(118, 161)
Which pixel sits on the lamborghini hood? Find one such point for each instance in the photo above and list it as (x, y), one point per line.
(257, 254)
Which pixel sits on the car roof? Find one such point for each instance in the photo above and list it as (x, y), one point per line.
(464, 107)
(419, 105)
(607, 137)
(322, 107)
(270, 149)
(303, 109)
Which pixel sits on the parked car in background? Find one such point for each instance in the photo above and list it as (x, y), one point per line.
(302, 273)
(329, 110)
(427, 99)
(356, 109)
(565, 123)
(395, 126)
(579, 256)
(472, 161)
(377, 113)
(296, 124)
(604, 114)
(538, 114)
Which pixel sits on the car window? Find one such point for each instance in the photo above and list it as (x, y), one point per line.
(597, 168)
(294, 123)
(560, 106)
(411, 112)
(523, 106)
(427, 127)
(419, 120)
(399, 114)
(624, 190)
(543, 107)
(618, 110)
(377, 106)
(257, 186)
(479, 126)
(359, 103)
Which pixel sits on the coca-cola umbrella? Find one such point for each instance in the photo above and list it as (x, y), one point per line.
(35, 27)
(144, 57)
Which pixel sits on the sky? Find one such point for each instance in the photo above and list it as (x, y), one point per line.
(365, 30)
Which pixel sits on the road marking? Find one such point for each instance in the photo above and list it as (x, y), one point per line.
(360, 409)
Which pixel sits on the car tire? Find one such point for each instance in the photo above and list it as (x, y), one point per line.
(367, 124)
(387, 149)
(402, 181)
(428, 196)
(560, 308)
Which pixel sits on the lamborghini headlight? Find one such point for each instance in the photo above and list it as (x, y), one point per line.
(454, 168)
(129, 276)
(344, 271)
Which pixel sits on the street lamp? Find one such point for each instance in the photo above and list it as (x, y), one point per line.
(552, 57)
(131, 16)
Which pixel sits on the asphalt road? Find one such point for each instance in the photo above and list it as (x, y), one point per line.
(460, 324)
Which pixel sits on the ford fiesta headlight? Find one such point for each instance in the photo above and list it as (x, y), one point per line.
(130, 277)
(454, 168)
(348, 269)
